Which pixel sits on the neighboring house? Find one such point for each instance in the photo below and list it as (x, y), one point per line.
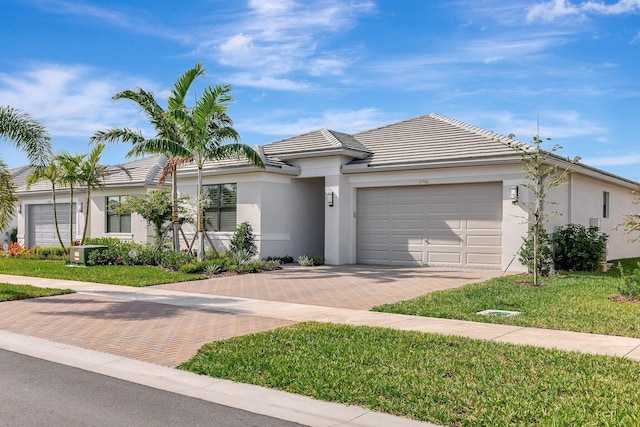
(425, 191)
(35, 219)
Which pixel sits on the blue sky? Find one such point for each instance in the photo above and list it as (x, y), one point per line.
(346, 65)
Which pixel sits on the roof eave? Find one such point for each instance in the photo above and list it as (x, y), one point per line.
(339, 151)
(452, 163)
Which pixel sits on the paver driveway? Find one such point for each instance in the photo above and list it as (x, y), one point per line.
(166, 334)
(347, 286)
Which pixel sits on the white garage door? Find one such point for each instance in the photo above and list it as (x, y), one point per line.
(437, 225)
(42, 229)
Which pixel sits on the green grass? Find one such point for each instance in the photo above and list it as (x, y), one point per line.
(108, 274)
(576, 302)
(440, 379)
(9, 292)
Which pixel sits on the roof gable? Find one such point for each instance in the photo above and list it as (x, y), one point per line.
(314, 143)
(430, 138)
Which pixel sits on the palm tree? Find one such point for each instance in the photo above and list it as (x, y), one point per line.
(69, 169)
(29, 135)
(91, 174)
(168, 140)
(209, 135)
(49, 173)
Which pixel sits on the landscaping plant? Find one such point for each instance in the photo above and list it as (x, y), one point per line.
(545, 255)
(578, 248)
(243, 239)
(630, 283)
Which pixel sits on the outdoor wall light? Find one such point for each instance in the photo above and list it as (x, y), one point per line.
(514, 194)
(20, 208)
(79, 207)
(330, 198)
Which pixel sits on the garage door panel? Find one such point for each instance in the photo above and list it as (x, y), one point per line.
(490, 241)
(438, 225)
(444, 224)
(444, 258)
(483, 224)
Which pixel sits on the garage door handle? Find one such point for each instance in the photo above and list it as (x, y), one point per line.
(426, 241)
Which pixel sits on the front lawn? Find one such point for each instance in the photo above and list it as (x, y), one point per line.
(107, 274)
(440, 379)
(575, 302)
(9, 292)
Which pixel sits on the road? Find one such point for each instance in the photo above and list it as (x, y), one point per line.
(35, 392)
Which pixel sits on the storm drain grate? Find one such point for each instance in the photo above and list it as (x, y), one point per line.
(503, 313)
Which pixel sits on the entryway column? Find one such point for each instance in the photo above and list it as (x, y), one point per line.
(337, 220)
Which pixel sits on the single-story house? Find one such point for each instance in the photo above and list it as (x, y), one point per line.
(425, 191)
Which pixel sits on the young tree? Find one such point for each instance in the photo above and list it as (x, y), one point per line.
(544, 172)
(28, 135)
(631, 222)
(69, 169)
(49, 173)
(155, 207)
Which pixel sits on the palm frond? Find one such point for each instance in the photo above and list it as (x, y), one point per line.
(26, 133)
(182, 85)
(7, 196)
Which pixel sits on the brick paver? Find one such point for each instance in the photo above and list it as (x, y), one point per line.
(351, 286)
(156, 333)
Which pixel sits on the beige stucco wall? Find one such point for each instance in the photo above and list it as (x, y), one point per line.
(285, 212)
(140, 233)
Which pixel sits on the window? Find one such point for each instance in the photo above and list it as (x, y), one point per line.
(117, 222)
(605, 204)
(220, 207)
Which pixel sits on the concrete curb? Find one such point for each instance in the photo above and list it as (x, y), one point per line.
(259, 400)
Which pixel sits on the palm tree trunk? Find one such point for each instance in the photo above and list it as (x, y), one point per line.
(86, 216)
(174, 209)
(71, 216)
(200, 217)
(55, 217)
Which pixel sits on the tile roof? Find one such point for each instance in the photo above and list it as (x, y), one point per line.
(430, 138)
(312, 143)
(145, 171)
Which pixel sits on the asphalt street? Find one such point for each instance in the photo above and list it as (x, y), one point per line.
(35, 392)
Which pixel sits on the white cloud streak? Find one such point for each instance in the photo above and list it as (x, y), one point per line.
(349, 121)
(554, 9)
(284, 38)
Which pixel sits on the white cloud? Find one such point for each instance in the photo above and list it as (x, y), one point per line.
(623, 160)
(553, 9)
(553, 124)
(72, 101)
(274, 39)
(132, 21)
(348, 121)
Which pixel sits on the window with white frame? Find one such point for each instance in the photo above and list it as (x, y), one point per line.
(220, 207)
(117, 221)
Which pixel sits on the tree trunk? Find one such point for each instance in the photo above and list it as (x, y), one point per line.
(200, 217)
(86, 216)
(174, 209)
(71, 216)
(55, 217)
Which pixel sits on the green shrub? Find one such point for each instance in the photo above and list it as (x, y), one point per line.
(174, 260)
(13, 237)
(629, 284)
(243, 240)
(190, 268)
(545, 255)
(284, 259)
(578, 248)
(48, 252)
(240, 256)
(109, 256)
(310, 261)
(212, 268)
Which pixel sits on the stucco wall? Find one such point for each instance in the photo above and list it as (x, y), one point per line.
(98, 225)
